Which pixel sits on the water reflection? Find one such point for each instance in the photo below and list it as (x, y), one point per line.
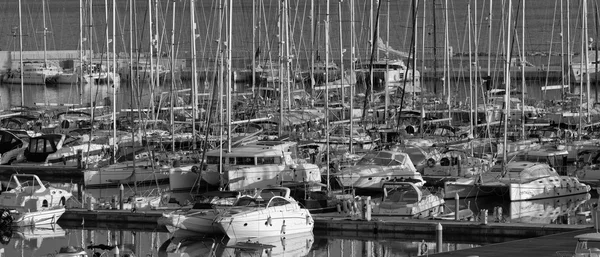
(48, 241)
(572, 209)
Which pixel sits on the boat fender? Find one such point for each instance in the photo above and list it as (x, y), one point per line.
(430, 162)
(282, 227)
(5, 218)
(65, 124)
(347, 206)
(424, 248)
(307, 219)
(339, 208)
(269, 221)
(569, 187)
(354, 207)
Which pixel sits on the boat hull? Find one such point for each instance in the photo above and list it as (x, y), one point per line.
(123, 173)
(50, 216)
(201, 221)
(266, 222)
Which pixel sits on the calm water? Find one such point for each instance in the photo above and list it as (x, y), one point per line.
(47, 241)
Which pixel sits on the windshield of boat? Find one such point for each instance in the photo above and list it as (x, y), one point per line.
(401, 194)
(382, 159)
(552, 160)
(251, 202)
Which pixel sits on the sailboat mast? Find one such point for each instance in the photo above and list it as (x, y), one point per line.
(312, 47)
(341, 57)
(286, 34)
(523, 71)
(253, 47)
(21, 54)
(352, 85)
(151, 45)
(471, 118)
(81, 9)
(114, 77)
(327, 152)
(280, 51)
(229, 75)
(587, 61)
(173, 78)
(91, 56)
(489, 61)
(489, 65)
(194, 75)
(476, 69)
(447, 63)
(45, 33)
(157, 45)
(568, 41)
(387, 67)
(507, 83)
(100, 70)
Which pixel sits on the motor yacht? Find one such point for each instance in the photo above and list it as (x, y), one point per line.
(271, 212)
(30, 202)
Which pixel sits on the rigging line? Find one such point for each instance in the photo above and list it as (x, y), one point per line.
(550, 52)
(369, 88)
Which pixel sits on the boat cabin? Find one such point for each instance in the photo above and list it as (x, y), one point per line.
(523, 171)
(395, 192)
(267, 197)
(219, 198)
(556, 157)
(29, 192)
(10, 141)
(383, 158)
(259, 153)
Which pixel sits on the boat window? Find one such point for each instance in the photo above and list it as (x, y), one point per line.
(250, 202)
(213, 159)
(400, 158)
(39, 145)
(244, 161)
(268, 160)
(278, 202)
(45, 203)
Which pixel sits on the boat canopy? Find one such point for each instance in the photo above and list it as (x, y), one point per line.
(383, 158)
(530, 171)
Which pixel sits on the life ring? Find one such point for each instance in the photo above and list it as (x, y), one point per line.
(430, 162)
(424, 248)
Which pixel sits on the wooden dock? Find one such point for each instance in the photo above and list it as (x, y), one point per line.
(334, 222)
(395, 225)
(539, 246)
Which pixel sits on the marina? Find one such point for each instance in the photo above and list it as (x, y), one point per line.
(299, 128)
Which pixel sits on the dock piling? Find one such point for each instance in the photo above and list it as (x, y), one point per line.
(121, 189)
(367, 206)
(438, 236)
(457, 211)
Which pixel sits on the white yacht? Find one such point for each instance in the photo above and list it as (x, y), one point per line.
(272, 212)
(378, 167)
(405, 199)
(201, 217)
(34, 73)
(258, 164)
(30, 202)
(521, 180)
